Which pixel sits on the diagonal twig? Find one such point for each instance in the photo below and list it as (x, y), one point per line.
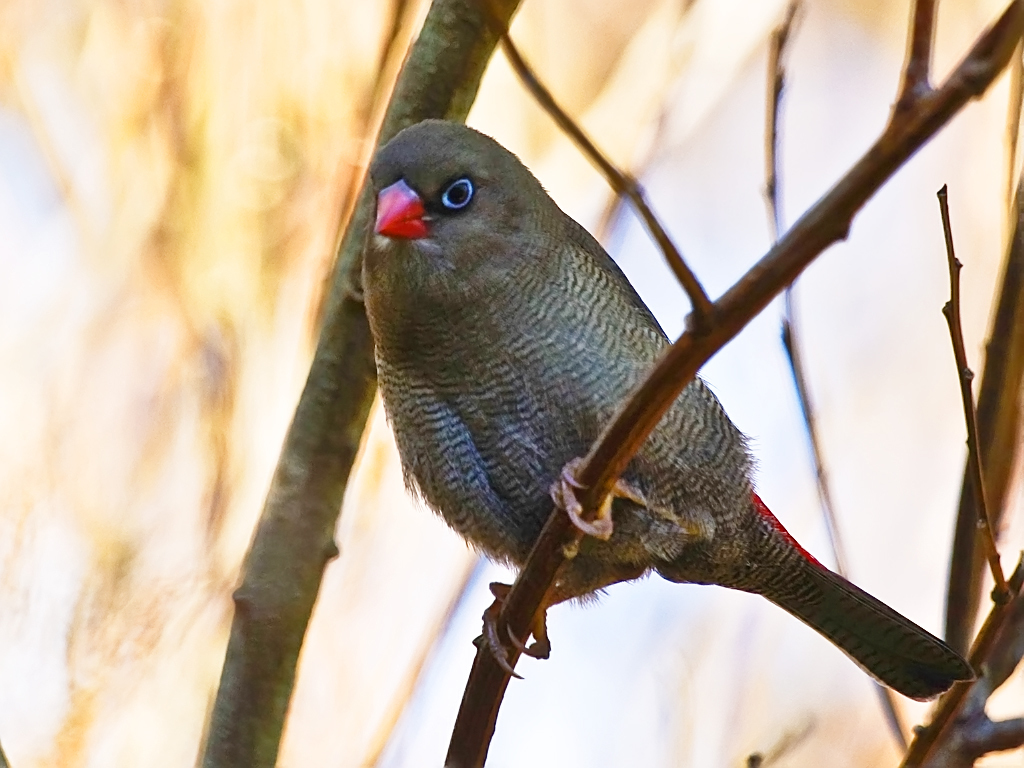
(623, 184)
(952, 312)
(294, 539)
(826, 222)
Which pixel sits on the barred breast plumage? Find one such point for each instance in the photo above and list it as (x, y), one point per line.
(505, 339)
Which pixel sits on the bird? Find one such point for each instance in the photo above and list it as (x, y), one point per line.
(505, 337)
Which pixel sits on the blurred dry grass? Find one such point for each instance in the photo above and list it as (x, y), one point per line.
(192, 162)
(172, 180)
(157, 323)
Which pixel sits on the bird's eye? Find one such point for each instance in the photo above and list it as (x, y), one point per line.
(457, 195)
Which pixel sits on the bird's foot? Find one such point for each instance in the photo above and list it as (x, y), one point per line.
(563, 491)
(491, 637)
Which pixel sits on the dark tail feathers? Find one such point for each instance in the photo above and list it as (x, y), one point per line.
(885, 644)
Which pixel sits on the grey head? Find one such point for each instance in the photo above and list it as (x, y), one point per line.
(456, 212)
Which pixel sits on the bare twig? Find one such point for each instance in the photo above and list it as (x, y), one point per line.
(807, 410)
(623, 184)
(999, 419)
(371, 112)
(886, 697)
(919, 54)
(1013, 114)
(613, 206)
(998, 400)
(790, 340)
(400, 13)
(952, 312)
(294, 539)
(949, 704)
(776, 85)
(961, 731)
(825, 223)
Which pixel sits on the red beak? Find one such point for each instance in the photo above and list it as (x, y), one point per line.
(400, 212)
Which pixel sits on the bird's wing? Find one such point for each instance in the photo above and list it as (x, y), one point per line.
(593, 256)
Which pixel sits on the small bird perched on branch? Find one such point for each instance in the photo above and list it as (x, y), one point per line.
(505, 339)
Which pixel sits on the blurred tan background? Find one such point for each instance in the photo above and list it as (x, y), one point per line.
(173, 176)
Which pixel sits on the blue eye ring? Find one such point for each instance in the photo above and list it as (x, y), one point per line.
(457, 195)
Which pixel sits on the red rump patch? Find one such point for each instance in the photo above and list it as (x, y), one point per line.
(766, 513)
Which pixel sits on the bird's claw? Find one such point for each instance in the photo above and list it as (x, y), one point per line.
(492, 641)
(563, 492)
(540, 649)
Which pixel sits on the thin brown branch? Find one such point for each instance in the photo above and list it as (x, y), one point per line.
(919, 54)
(999, 420)
(371, 112)
(886, 698)
(790, 340)
(401, 11)
(810, 422)
(776, 85)
(610, 213)
(949, 704)
(623, 184)
(294, 539)
(825, 223)
(1013, 114)
(952, 312)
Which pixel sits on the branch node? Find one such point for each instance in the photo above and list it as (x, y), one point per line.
(331, 551)
(1001, 595)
